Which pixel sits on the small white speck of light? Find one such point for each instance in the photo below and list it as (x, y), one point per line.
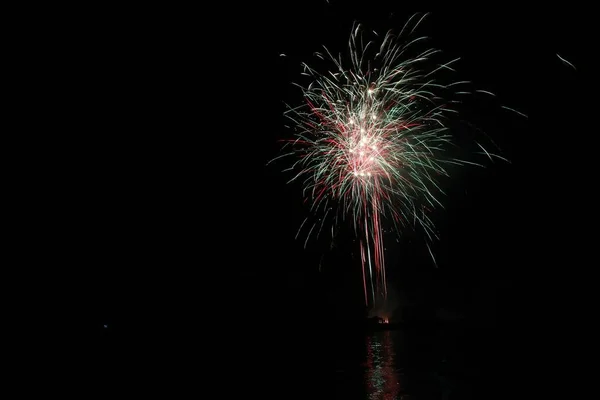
(106, 326)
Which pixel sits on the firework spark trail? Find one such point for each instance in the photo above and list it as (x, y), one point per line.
(370, 142)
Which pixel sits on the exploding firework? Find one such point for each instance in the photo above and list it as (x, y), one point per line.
(371, 142)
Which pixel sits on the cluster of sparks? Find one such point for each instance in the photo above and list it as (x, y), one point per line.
(370, 143)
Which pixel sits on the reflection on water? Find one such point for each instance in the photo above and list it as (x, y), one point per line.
(451, 363)
(444, 363)
(401, 365)
(382, 377)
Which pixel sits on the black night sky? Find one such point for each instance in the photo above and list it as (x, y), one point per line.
(174, 226)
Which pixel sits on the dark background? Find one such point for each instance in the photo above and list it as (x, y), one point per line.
(171, 225)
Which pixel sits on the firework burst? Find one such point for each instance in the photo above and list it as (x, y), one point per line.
(370, 142)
